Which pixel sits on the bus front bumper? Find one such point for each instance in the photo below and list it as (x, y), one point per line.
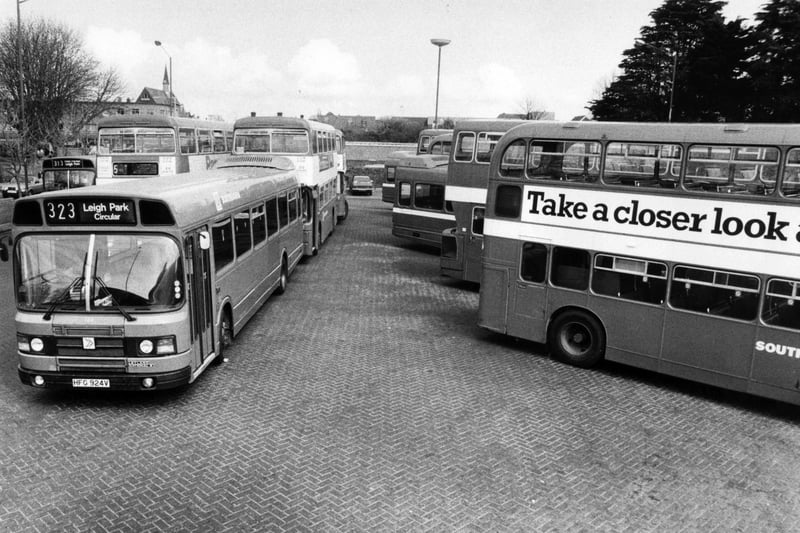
(104, 381)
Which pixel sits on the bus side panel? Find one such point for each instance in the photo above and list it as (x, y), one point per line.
(725, 355)
(493, 298)
(633, 331)
(776, 360)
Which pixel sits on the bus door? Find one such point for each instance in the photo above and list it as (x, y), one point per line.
(310, 226)
(199, 292)
(473, 245)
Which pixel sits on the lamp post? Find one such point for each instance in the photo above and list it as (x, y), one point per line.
(674, 54)
(171, 81)
(22, 128)
(440, 43)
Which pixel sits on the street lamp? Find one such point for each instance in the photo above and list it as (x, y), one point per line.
(22, 128)
(438, 43)
(674, 54)
(171, 81)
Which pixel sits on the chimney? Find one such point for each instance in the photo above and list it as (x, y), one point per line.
(280, 113)
(252, 113)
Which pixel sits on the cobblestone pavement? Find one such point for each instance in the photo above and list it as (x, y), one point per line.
(366, 399)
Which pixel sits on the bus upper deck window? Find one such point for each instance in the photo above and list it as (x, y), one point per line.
(508, 203)
(513, 161)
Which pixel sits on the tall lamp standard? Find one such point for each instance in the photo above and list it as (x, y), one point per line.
(171, 81)
(438, 43)
(674, 54)
(22, 128)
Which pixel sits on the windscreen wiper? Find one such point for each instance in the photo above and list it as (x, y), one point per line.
(113, 300)
(61, 298)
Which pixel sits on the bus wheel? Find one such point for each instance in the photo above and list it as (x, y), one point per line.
(284, 279)
(577, 338)
(225, 336)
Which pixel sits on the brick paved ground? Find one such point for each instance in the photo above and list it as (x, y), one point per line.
(366, 399)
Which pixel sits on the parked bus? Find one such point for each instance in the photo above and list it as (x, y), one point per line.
(467, 179)
(340, 156)
(426, 136)
(663, 246)
(420, 212)
(126, 287)
(438, 145)
(146, 146)
(311, 146)
(59, 173)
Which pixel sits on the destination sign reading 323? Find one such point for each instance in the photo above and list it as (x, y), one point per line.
(90, 212)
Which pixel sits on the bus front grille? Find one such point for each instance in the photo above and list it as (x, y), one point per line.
(103, 347)
(107, 364)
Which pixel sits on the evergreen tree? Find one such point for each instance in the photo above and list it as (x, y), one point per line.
(775, 63)
(688, 65)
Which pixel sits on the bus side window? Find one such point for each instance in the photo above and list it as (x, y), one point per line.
(718, 293)
(241, 230)
(570, 268)
(404, 194)
(222, 238)
(782, 304)
(478, 215)
(533, 266)
(293, 206)
(283, 210)
(259, 223)
(513, 161)
(272, 216)
(508, 203)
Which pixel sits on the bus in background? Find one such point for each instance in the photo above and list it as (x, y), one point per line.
(670, 247)
(59, 173)
(438, 145)
(311, 146)
(420, 212)
(146, 146)
(467, 179)
(118, 288)
(426, 136)
(340, 156)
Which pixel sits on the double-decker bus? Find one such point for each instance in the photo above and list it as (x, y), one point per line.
(427, 136)
(420, 212)
(68, 172)
(670, 247)
(437, 145)
(126, 287)
(467, 179)
(146, 146)
(312, 147)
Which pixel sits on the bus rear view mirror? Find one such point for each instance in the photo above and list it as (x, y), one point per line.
(205, 241)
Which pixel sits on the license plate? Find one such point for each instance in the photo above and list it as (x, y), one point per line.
(84, 383)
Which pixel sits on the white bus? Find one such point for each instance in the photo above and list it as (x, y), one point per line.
(318, 158)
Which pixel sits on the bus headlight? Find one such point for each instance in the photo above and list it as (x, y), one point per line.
(165, 346)
(30, 344)
(146, 347)
(157, 346)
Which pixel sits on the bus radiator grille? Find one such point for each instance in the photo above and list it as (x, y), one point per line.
(103, 347)
(110, 331)
(107, 364)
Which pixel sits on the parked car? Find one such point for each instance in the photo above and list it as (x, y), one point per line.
(10, 189)
(361, 184)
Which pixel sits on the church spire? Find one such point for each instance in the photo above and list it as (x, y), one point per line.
(166, 83)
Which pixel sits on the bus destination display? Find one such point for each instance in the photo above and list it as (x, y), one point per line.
(67, 163)
(90, 212)
(135, 169)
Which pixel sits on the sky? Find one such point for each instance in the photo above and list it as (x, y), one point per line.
(362, 57)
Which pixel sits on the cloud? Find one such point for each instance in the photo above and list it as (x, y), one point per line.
(320, 69)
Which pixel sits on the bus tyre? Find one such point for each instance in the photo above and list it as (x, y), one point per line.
(225, 337)
(284, 279)
(577, 338)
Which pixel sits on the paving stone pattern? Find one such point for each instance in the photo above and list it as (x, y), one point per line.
(365, 398)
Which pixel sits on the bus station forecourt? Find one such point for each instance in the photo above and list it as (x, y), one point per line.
(366, 398)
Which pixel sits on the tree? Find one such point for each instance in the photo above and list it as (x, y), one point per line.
(528, 107)
(775, 63)
(688, 65)
(64, 87)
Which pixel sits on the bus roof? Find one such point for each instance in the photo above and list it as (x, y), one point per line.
(423, 161)
(662, 132)
(158, 121)
(195, 196)
(487, 124)
(281, 122)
